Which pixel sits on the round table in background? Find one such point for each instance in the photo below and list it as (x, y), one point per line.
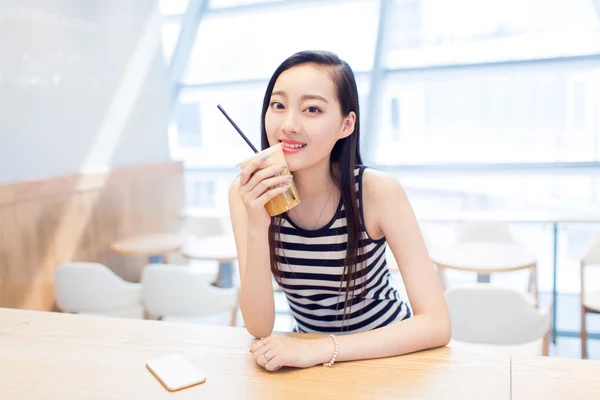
(219, 248)
(154, 246)
(485, 258)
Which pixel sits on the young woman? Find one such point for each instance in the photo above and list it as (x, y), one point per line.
(328, 253)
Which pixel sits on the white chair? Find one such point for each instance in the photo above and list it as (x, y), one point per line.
(496, 319)
(590, 300)
(485, 231)
(495, 232)
(92, 288)
(184, 293)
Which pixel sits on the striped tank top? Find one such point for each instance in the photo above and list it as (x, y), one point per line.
(312, 264)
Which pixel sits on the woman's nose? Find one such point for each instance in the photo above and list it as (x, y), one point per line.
(290, 124)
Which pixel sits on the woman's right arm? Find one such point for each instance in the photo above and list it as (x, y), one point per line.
(247, 198)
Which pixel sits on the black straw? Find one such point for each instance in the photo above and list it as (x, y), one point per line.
(237, 129)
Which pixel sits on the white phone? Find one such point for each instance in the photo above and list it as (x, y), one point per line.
(175, 372)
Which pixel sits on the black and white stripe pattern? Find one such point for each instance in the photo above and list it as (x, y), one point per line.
(312, 265)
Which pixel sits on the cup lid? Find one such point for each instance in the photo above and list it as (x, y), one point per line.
(264, 152)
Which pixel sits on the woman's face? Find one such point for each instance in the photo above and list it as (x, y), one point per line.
(305, 115)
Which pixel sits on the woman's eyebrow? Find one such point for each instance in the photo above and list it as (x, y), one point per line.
(304, 97)
(314, 97)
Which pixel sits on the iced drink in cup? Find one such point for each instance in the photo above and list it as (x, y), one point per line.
(287, 200)
(273, 155)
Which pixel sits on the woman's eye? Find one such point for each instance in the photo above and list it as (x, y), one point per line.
(313, 110)
(277, 105)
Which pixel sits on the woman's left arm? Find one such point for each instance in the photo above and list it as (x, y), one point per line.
(389, 211)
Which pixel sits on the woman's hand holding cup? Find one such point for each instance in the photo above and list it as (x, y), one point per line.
(260, 184)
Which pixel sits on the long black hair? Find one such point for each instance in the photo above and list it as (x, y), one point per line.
(345, 156)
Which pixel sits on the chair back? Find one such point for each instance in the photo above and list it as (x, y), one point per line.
(87, 287)
(491, 314)
(183, 291)
(485, 231)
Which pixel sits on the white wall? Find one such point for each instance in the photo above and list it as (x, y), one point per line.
(83, 86)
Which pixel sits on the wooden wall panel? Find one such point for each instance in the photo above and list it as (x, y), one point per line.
(45, 223)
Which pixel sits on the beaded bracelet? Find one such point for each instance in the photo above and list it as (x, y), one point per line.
(335, 352)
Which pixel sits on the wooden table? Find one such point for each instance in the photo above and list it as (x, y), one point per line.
(219, 248)
(63, 356)
(554, 379)
(154, 246)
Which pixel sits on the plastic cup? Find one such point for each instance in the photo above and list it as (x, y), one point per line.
(287, 200)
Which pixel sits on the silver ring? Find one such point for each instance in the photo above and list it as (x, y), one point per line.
(267, 357)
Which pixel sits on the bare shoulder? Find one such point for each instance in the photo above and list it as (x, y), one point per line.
(380, 188)
(381, 193)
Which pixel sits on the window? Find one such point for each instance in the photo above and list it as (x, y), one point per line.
(187, 116)
(395, 120)
(221, 144)
(173, 7)
(529, 113)
(201, 193)
(215, 4)
(443, 32)
(170, 35)
(251, 45)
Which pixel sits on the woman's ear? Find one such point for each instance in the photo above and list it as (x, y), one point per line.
(348, 125)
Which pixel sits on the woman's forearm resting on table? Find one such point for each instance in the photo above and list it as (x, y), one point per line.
(420, 332)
